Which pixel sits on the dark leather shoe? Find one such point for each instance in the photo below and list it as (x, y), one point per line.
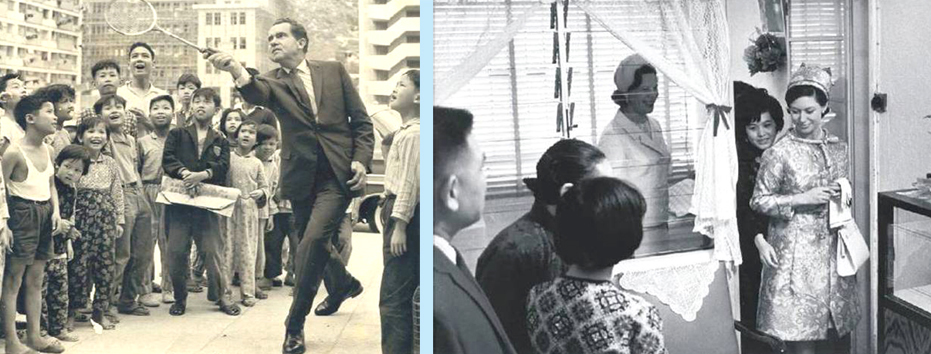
(293, 343)
(331, 304)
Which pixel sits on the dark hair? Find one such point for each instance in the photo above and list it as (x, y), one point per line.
(104, 64)
(207, 93)
(57, 92)
(247, 122)
(226, 113)
(188, 78)
(141, 44)
(167, 98)
(749, 105)
(297, 31)
(74, 152)
(108, 99)
(638, 75)
(796, 92)
(414, 75)
(451, 129)
(89, 123)
(29, 105)
(619, 97)
(567, 161)
(265, 132)
(6, 78)
(599, 222)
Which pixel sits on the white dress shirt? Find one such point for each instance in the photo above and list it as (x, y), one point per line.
(445, 247)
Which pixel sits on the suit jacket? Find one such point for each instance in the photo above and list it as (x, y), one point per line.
(181, 152)
(463, 319)
(341, 127)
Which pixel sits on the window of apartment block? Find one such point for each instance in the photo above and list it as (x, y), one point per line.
(242, 42)
(413, 38)
(242, 18)
(209, 19)
(413, 63)
(234, 42)
(381, 75)
(413, 13)
(381, 25)
(381, 50)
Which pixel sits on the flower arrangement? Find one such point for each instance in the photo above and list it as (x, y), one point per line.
(766, 54)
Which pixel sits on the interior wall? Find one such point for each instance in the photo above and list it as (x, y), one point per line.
(744, 19)
(859, 148)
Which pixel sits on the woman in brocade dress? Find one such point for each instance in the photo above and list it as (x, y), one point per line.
(803, 300)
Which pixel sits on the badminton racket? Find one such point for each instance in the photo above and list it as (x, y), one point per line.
(138, 17)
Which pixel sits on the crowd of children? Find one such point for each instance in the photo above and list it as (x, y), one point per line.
(80, 216)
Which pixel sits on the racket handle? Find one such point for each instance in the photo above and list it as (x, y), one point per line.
(207, 51)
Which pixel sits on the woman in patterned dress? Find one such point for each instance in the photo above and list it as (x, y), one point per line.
(599, 222)
(98, 216)
(802, 298)
(248, 175)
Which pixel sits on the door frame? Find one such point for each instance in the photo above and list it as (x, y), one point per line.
(875, 85)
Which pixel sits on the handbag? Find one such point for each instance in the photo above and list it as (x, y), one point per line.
(852, 250)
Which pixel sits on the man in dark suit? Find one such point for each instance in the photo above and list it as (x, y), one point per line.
(326, 149)
(463, 319)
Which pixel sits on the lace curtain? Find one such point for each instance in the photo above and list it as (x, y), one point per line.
(698, 31)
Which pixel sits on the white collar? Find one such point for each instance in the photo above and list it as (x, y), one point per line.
(445, 247)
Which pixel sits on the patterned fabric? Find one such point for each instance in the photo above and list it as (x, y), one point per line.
(55, 293)
(93, 262)
(518, 258)
(58, 141)
(104, 175)
(66, 200)
(402, 170)
(799, 300)
(571, 315)
(246, 174)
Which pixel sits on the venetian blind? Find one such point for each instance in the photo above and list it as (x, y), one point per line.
(818, 35)
(513, 96)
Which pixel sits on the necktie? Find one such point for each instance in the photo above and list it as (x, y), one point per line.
(304, 83)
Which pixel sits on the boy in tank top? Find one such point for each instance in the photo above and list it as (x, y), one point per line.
(33, 206)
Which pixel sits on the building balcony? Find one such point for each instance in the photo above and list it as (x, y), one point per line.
(68, 27)
(395, 56)
(70, 9)
(384, 12)
(386, 36)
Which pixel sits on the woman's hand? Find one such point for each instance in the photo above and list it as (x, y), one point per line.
(767, 252)
(815, 196)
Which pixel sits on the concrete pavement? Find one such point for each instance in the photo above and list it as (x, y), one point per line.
(260, 329)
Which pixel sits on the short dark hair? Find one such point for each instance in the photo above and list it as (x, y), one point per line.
(57, 92)
(567, 161)
(247, 122)
(297, 30)
(74, 152)
(141, 44)
(599, 222)
(225, 114)
(108, 99)
(87, 124)
(207, 93)
(6, 78)
(749, 105)
(167, 98)
(29, 105)
(451, 129)
(414, 75)
(795, 92)
(638, 75)
(265, 132)
(104, 64)
(188, 78)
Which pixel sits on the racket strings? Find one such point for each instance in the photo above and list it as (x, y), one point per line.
(130, 17)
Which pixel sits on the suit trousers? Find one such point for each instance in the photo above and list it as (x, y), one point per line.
(186, 224)
(399, 279)
(138, 231)
(318, 219)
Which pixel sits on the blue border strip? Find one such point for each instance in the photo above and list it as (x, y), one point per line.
(426, 176)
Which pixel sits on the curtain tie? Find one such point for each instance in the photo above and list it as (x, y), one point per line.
(720, 115)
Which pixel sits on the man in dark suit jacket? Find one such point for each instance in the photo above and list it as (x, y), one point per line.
(326, 149)
(463, 319)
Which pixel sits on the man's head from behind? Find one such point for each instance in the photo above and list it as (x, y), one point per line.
(458, 176)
